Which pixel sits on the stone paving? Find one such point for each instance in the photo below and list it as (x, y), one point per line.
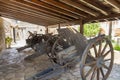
(14, 67)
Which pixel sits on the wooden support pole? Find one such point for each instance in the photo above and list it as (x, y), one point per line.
(110, 29)
(46, 32)
(58, 26)
(81, 27)
(14, 35)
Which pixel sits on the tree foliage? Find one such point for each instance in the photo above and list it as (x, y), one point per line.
(92, 29)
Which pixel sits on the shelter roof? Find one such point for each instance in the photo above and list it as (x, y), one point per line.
(50, 12)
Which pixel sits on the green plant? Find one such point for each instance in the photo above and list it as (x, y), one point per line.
(91, 29)
(117, 47)
(8, 41)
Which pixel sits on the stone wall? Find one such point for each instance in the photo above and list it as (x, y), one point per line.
(2, 35)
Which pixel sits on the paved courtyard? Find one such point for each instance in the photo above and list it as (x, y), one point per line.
(13, 66)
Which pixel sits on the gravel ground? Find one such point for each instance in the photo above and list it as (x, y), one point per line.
(13, 66)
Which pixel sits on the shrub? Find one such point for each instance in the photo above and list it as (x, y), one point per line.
(8, 41)
(92, 29)
(117, 47)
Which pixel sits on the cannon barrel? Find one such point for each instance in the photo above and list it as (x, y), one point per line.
(22, 48)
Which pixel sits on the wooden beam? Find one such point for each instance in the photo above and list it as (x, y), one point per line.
(59, 26)
(46, 19)
(114, 4)
(75, 22)
(14, 35)
(94, 6)
(66, 7)
(18, 12)
(32, 12)
(29, 6)
(23, 17)
(46, 31)
(111, 16)
(53, 8)
(80, 7)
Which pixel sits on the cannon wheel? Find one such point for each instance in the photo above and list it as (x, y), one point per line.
(97, 59)
(54, 51)
(58, 46)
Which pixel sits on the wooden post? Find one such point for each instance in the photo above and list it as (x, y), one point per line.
(14, 35)
(46, 32)
(81, 27)
(110, 29)
(58, 26)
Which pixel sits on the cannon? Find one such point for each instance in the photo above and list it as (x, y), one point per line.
(39, 43)
(69, 48)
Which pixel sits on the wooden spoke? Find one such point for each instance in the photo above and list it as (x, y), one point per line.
(100, 46)
(101, 70)
(95, 50)
(98, 74)
(90, 71)
(106, 67)
(93, 74)
(89, 54)
(106, 53)
(91, 63)
(104, 48)
(107, 60)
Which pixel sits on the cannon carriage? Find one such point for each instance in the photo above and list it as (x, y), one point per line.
(69, 48)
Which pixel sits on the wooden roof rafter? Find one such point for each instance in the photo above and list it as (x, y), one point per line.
(39, 8)
(114, 4)
(50, 12)
(36, 9)
(47, 6)
(80, 7)
(112, 16)
(26, 18)
(19, 10)
(94, 6)
(111, 7)
(66, 7)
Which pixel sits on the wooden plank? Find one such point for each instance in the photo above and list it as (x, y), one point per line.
(53, 8)
(80, 7)
(74, 38)
(66, 7)
(74, 22)
(26, 5)
(17, 12)
(34, 21)
(24, 17)
(114, 4)
(32, 12)
(93, 5)
(111, 16)
(67, 52)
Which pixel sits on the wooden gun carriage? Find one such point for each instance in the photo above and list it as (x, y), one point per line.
(70, 48)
